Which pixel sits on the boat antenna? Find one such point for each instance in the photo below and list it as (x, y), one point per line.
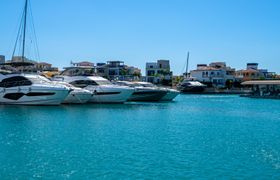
(187, 66)
(24, 29)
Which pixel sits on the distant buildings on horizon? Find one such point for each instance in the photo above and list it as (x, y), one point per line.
(38, 66)
(113, 70)
(216, 74)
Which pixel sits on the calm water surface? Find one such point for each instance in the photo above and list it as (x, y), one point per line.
(193, 137)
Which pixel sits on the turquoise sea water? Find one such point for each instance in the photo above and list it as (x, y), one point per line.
(194, 137)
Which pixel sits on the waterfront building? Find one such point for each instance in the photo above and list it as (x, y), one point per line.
(2, 59)
(43, 66)
(252, 72)
(112, 70)
(83, 63)
(264, 88)
(33, 67)
(159, 72)
(16, 59)
(215, 74)
(117, 70)
(101, 69)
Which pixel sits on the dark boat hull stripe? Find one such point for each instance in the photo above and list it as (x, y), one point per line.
(106, 93)
(40, 94)
(17, 96)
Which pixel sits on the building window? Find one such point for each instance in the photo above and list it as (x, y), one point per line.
(151, 73)
(112, 72)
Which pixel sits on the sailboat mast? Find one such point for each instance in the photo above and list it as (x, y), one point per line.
(187, 66)
(24, 29)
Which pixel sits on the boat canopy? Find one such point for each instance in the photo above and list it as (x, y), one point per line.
(262, 82)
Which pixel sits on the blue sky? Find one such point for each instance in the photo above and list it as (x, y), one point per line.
(139, 31)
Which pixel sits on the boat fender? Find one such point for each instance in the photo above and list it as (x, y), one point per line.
(94, 92)
(29, 89)
(19, 89)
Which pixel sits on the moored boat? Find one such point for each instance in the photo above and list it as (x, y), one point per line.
(77, 95)
(143, 93)
(28, 89)
(191, 86)
(103, 90)
(170, 93)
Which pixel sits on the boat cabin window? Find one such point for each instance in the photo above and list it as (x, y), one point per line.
(83, 83)
(186, 84)
(15, 81)
(148, 85)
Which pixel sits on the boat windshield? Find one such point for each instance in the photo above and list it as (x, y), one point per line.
(66, 84)
(85, 83)
(39, 80)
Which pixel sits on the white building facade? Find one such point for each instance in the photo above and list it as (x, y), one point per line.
(159, 72)
(216, 74)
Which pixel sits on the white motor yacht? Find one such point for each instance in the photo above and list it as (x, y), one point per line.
(143, 93)
(103, 90)
(77, 95)
(28, 89)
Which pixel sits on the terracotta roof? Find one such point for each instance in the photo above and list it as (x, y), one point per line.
(44, 63)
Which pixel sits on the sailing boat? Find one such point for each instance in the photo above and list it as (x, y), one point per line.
(189, 84)
(28, 89)
(20, 61)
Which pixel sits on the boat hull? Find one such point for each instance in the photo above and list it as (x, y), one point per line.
(110, 94)
(77, 98)
(33, 96)
(195, 89)
(170, 95)
(147, 96)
